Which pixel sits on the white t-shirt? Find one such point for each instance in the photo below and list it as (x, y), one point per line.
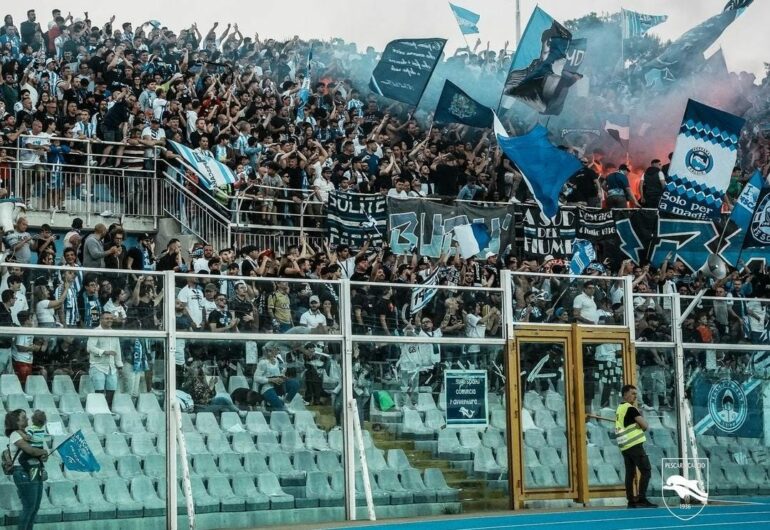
(756, 315)
(44, 313)
(23, 356)
(474, 329)
(192, 298)
(587, 307)
(15, 437)
(310, 320)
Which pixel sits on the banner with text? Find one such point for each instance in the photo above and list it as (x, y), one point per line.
(466, 398)
(702, 163)
(425, 227)
(544, 236)
(352, 218)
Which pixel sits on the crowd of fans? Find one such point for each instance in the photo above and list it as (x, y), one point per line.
(292, 130)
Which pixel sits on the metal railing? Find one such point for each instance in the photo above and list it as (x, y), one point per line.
(86, 178)
(194, 215)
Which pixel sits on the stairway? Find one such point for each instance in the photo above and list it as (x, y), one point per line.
(475, 494)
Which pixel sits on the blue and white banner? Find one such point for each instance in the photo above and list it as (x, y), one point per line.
(212, 172)
(703, 161)
(748, 225)
(428, 228)
(424, 293)
(636, 24)
(466, 398)
(583, 255)
(405, 69)
(76, 455)
(727, 407)
(466, 19)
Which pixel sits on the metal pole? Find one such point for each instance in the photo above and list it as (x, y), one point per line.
(681, 412)
(348, 431)
(518, 23)
(171, 411)
(628, 309)
(506, 282)
(362, 457)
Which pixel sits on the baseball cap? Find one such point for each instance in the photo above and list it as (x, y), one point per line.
(315, 299)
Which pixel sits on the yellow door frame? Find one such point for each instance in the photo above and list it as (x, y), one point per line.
(572, 337)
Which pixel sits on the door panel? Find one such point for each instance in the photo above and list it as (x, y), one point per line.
(566, 374)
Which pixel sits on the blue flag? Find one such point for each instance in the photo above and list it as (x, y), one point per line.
(455, 106)
(636, 24)
(76, 455)
(542, 69)
(405, 68)
(545, 167)
(212, 172)
(703, 161)
(582, 256)
(749, 225)
(466, 19)
(727, 407)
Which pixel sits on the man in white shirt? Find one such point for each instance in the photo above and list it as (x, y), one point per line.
(399, 192)
(153, 136)
(192, 297)
(313, 318)
(584, 307)
(417, 362)
(105, 358)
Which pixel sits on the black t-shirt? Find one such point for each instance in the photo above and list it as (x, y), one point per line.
(585, 185)
(631, 414)
(220, 318)
(117, 115)
(445, 179)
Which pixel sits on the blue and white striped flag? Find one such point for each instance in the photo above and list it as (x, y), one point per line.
(466, 19)
(636, 24)
(212, 172)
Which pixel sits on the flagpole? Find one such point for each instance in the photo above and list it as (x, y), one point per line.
(518, 23)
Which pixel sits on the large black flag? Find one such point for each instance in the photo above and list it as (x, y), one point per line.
(405, 68)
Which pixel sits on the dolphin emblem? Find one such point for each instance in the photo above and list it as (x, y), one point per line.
(467, 413)
(686, 488)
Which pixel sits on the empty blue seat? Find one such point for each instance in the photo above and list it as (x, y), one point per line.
(318, 488)
(143, 491)
(243, 486)
(220, 489)
(267, 483)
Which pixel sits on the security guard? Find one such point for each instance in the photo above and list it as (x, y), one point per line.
(629, 428)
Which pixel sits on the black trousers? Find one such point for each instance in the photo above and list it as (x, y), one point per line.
(636, 458)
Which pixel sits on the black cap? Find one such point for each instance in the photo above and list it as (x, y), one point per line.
(144, 236)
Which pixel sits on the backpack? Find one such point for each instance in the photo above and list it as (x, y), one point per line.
(9, 462)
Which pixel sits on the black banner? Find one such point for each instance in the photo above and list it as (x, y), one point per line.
(352, 218)
(595, 224)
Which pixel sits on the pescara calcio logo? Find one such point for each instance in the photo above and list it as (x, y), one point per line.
(727, 405)
(760, 223)
(685, 486)
(699, 161)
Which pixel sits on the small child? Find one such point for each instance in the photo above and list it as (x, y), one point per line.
(36, 430)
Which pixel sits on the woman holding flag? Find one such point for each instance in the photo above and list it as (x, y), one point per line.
(26, 475)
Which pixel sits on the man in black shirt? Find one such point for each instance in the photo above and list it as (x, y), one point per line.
(446, 174)
(586, 190)
(653, 183)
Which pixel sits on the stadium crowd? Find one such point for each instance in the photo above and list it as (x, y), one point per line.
(240, 100)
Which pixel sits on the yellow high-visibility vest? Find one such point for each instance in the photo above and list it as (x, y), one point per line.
(630, 436)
